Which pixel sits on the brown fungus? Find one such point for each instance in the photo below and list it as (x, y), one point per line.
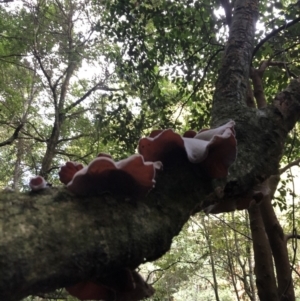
(214, 149)
(131, 177)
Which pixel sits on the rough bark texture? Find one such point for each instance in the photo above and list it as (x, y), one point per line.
(53, 239)
(260, 133)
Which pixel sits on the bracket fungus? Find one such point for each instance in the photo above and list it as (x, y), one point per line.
(125, 285)
(131, 177)
(213, 149)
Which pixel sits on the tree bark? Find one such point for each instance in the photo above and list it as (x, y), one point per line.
(265, 276)
(53, 239)
(278, 245)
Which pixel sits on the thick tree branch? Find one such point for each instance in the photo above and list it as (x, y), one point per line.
(14, 136)
(86, 238)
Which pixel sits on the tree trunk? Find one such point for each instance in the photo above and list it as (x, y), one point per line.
(265, 276)
(278, 244)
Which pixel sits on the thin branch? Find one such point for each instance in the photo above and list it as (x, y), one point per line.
(294, 269)
(289, 165)
(272, 34)
(71, 138)
(13, 137)
(35, 53)
(14, 55)
(233, 228)
(58, 79)
(79, 112)
(291, 235)
(33, 137)
(98, 86)
(42, 139)
(75, 157)
(16, 64)
(257, 75)
(285, 49)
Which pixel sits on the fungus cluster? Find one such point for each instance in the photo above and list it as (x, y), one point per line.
(131, 177)
(122, 285)
(212, 150)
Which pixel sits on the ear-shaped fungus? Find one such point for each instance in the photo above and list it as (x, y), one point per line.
(88, 290)
(125, 285)
(37, 183)
(214, 149)
(68, 170)
(128, 177)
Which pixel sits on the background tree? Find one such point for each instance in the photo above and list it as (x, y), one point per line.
(159, 64)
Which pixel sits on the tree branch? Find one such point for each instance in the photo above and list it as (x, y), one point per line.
(48, 78)
(291, 235)
(232, 82)
(287, 103)
(289, 165)
(13, 137)
(75, 157)
(98, 86)
(258, 90)
(71, 138)
(272, 34)
(86, 238)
